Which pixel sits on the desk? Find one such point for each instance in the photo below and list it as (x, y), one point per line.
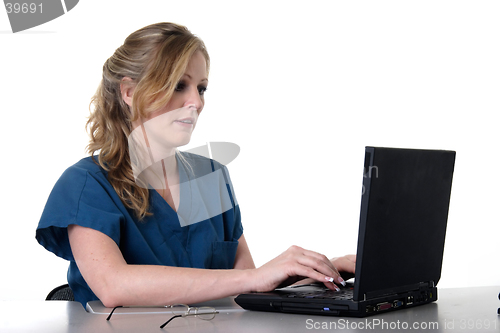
(457, 310)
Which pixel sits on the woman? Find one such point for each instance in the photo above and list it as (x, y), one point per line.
(118, 217)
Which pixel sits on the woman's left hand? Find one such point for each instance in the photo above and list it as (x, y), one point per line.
(346, 265)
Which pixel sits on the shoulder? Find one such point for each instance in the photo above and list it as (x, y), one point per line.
(82, 174)
(88, 165)
(82, 192)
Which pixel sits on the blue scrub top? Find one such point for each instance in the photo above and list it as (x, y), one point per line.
(84, 196)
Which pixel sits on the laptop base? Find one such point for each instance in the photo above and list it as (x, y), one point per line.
(310, 299)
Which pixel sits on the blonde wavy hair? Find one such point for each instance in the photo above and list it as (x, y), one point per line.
(155, 58)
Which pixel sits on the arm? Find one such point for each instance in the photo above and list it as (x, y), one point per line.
(117, 283)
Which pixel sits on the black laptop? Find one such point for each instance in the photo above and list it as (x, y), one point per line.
(404, 211)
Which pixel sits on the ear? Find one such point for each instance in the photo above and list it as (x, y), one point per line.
(127, 87)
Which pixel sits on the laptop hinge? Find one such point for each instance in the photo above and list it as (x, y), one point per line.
(397, 290)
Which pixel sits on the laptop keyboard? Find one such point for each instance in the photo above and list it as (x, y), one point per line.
(343, 294)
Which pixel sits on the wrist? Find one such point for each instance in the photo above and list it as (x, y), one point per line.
(247, 280)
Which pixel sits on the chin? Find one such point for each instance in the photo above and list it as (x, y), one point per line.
(183, 142)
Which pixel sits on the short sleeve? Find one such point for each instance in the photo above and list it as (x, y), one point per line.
(83, 198)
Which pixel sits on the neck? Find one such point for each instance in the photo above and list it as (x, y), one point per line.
(169, 164)
(162, 173)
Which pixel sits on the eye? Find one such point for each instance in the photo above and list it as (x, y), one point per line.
(201, 90)
(180, 86)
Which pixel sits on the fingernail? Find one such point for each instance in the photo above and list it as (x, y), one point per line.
(336, 288)
(329, 279)
(341, 280)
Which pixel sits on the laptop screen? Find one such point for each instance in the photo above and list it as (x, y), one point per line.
(404, 209)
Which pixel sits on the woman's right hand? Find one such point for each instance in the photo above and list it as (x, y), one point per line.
(293, 265)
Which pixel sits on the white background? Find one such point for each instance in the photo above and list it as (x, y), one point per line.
(302, 88)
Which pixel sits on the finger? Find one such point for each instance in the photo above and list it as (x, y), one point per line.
(321, 257)
(317, 263)
(323, 264)
(316, 255)
(331, 286)
(309, 272)
(334, 272)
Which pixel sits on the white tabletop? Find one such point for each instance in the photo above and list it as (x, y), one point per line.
(457, 310)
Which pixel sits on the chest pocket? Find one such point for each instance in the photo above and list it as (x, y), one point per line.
(223, 254)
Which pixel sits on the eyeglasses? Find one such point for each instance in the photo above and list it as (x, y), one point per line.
(183, 310)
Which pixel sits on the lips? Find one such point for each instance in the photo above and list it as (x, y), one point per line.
(188, 121)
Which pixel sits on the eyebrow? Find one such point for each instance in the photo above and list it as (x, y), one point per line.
(189, 76)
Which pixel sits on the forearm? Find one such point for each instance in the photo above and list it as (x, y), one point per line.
(116, 283)
(163, 285)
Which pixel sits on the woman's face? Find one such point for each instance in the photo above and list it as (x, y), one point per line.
(172, 125)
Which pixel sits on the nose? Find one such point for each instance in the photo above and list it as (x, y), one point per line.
(193, 98)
